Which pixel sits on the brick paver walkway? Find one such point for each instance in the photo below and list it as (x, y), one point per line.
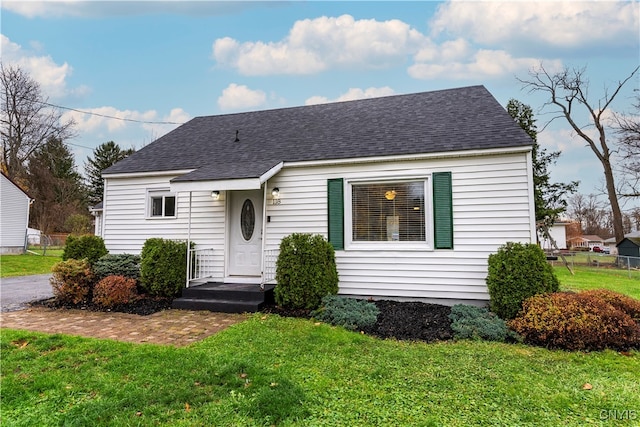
(173, 327)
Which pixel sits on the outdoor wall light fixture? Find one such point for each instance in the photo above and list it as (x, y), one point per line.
(215, 195)
(275, 192)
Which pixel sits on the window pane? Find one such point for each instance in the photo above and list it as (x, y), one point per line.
(156, 206)
(170, 206)
(388, 212)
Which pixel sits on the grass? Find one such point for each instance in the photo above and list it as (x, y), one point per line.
(593, 278)
(27, 264)
(271, 370)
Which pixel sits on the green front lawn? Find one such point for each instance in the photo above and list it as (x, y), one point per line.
(24, 265)
(283, 371)
(594, 278)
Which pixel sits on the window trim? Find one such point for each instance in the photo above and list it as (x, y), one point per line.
(427, 244)
(155, 194)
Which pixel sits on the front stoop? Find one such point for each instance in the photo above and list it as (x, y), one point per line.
(225, 297)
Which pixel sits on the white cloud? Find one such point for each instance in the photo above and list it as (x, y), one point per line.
(353, 93)
(313, 45)
(51, 77)
(240, 97)
(109, 118)
(479, 64)
(175, 117)
(565, 24)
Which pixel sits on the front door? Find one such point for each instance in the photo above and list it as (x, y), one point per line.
(245, 234)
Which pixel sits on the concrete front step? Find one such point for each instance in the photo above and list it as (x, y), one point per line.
(225, 297)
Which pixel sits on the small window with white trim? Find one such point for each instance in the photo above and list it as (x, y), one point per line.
(162, 205)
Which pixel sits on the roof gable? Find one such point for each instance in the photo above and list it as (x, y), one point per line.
(15, 185)
(246, 145)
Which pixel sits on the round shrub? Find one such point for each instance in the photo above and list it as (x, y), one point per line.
(305, 271)
(71, 281)
(620, 301)
(471, 322)
(80, 247)
(114, 290)
(580, 321)
(127, 265)
(349, 313)
(163, 267)
(516, 272)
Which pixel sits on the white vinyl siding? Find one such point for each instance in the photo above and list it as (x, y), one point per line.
(14, 217)
(127, 226)
(492, 205)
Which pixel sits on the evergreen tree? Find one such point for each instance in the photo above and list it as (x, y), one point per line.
(104, 155)
(56, 187)
(550, 198)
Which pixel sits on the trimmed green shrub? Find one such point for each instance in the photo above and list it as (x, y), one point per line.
(350, 313)
(471, 322)
(579, 321)
(163, 267)
(127, 265)
(80, 247)
(516, 272)
(114, 290)
(305, 271)
(71, 281)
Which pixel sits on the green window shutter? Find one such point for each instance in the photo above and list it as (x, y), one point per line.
(335, 190)
(442, 210)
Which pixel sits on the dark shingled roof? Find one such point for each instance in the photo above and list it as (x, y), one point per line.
(468, 118)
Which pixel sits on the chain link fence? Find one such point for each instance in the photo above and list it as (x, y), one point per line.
(600, 260)
(46, 244)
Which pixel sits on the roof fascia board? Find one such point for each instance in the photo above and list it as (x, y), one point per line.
(144, 174)
(218, 185)
(271, 172)
(423, 156)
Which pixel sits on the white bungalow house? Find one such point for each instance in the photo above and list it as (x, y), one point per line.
(413, 191)
(14, 216)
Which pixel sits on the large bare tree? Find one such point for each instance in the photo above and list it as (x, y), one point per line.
(568, 96)
(628, 129)
(27, 121)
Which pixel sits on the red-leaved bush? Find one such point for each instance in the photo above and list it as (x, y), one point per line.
(578, 321)
(71, 281)
(114, 290)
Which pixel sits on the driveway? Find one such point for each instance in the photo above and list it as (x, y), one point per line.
(16, 292)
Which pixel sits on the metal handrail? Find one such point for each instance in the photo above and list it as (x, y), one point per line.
(201, 265)
(269, 270)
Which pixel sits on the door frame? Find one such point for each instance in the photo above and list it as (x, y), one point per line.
(255, 279)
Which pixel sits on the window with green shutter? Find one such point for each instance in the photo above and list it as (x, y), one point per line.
(335, 190)
(442, 210)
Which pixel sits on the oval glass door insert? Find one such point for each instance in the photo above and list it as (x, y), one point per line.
(247, 219)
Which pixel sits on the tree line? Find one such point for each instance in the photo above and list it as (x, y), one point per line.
(35, 155)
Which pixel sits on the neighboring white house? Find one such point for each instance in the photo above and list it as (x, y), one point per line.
(557, 232)
(14, 217)
(413, 191)
(96, 211)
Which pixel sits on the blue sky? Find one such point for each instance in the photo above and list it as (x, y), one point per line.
(171, 61)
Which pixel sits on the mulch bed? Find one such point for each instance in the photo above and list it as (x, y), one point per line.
(414, 321)
(400, 320)
(144, 306)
